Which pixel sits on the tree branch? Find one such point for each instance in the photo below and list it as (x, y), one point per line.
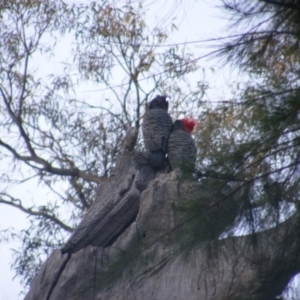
(50, 169)
(17, 203)
(288, 5)
(21, 98)
(78, 188)
(18, 121)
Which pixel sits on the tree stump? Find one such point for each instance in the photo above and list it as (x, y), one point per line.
(131, 245)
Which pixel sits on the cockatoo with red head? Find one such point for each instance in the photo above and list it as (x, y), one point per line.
(182, 151)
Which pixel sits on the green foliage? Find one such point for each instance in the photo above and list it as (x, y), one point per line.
(250, 145)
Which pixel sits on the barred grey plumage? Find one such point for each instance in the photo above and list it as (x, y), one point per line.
(182, 151)
(157, 124)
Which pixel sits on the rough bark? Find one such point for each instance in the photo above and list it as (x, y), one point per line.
(128, 246)
(117, 202)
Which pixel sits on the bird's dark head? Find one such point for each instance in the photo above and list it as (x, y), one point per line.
(178, 124)
(159, 102)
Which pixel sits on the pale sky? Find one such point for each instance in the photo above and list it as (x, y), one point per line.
(196, 20)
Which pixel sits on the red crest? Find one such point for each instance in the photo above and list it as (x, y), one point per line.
(189, 124)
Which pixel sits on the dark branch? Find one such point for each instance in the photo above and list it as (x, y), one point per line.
(288, 5)
(50, 169)
(18, 121)
(78, 188)
(17, 203)
(21, 98)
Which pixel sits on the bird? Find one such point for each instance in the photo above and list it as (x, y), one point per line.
(182, 151)
(156, 128)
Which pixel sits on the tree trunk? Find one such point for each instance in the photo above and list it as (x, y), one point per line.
(132, 244)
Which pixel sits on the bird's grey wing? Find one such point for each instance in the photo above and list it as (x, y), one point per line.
(182, 151)
(156, 129)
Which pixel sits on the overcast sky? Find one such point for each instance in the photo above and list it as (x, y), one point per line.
(196, 20)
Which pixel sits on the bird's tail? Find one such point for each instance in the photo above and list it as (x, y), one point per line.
(157, 159)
